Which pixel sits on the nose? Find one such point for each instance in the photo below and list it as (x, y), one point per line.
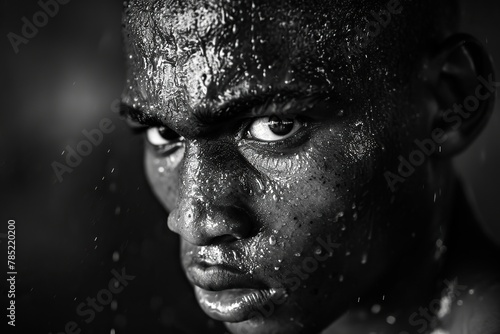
(210, 207)
(201, 225)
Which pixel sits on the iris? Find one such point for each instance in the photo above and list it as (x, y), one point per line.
(280, 126)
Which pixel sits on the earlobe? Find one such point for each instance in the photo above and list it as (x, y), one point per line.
(460, 81)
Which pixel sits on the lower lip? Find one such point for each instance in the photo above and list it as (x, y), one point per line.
(235, 305)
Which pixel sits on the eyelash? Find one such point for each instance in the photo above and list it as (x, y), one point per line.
(288, 143)
(244, 138)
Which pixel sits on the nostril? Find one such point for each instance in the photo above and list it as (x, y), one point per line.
(199, 224)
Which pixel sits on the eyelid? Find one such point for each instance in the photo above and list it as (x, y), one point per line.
(137, 120)
(164, 147)
(155, 136)
(131, 116)
(273, 138)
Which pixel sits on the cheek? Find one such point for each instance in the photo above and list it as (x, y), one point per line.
(162, 175)
(327, 190)
(326, 202)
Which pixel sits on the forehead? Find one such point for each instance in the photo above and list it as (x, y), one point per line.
(185, 55)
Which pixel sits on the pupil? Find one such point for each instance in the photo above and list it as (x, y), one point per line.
(280, 126)
(167, 133)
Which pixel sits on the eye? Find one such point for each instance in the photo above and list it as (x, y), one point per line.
(159, 136)
(164, 140)
(273, 128)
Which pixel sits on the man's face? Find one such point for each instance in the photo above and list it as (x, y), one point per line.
(269, 152)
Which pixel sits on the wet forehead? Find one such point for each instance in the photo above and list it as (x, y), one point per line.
(183, 55)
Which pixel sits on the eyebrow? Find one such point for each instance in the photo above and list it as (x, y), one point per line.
(137, 118)
(283, 102)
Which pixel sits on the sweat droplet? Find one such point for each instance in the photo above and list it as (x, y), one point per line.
(376, 308)
(364, 258)
(339, 215)
(318, 251)
(272, 240)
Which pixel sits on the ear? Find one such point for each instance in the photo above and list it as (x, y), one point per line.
(461, 88)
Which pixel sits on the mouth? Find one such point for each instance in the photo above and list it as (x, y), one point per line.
(235, 305)
(229, 295)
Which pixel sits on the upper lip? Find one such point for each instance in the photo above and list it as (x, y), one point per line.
(220, 277)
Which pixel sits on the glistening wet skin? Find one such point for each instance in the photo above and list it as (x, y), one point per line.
(269, 148)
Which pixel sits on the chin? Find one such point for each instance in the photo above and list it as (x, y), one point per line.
(267, 326)
(277, 324)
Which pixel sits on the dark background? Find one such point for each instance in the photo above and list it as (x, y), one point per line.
(71, 234)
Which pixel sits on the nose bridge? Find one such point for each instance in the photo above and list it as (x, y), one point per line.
(210, 196)
(190, 174)
(208, 173)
